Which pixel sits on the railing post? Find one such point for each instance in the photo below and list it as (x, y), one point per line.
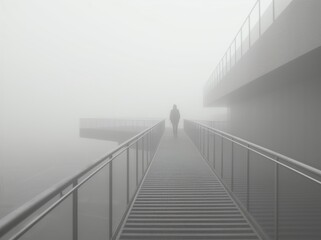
(273, 10)
(214, 152)
(147, 159)
(225, 60)
(199, 138)
(259, 17)
(222, 157)
(127, 151)
(136, 145)
(204, 140)
(111, 200)
(147, 150)
(149, 147)
(248, 179)
(75, 212)
(235, 49)
(143, 161)
(208, 145)
(276, 199)
(219, 71)
(241, 41)
(249, 20)
(232, 168)
(230, 57)
(203, 144)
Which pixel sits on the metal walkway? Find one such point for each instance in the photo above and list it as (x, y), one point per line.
(181, 198)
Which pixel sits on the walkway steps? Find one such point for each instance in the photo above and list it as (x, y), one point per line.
(181, 198)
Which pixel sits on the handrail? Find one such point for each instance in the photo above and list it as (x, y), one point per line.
(55, 204)
(218, 67)
(222, 68)
(272, 186)
(306, 167)
(15, 217)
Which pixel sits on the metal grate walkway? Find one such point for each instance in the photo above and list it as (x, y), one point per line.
(181, 198)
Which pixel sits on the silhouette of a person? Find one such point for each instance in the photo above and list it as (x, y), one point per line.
(174, 117)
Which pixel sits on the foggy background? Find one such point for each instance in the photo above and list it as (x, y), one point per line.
(65, 59)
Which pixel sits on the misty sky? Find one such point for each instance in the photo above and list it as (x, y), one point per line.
(65, 59)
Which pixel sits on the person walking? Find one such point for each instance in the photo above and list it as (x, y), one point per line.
(174, 117)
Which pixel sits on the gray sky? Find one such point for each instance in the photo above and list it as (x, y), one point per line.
(66, 59)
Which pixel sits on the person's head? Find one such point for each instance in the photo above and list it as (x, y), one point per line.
(174, 106)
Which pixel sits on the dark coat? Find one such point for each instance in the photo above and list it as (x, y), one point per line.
(174, 116)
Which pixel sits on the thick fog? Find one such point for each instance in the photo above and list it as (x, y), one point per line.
(65, 59)
(68, 59)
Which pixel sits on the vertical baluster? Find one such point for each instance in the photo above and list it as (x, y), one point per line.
(230, 57)
(259, 2)
(110, 200)
(248, 179)
(150, 147)
(214, 152)
(273, 10)
(226, 63)
(199, 138)
(232, 167)
(151, 144)
(235, 49)
(276, 199)
(136, 145)
(147, 143)
(143, 162)
(127, 151)
(75, 212)
(222, 157)
(203, 144)
(148, 150)
(208, 145)
(241, 41)
(249, 19)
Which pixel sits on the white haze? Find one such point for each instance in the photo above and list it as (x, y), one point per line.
(68, 59)
(61, 60)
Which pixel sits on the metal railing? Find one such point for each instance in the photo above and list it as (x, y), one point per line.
(261, 16)
(280, 195)
(93, 201)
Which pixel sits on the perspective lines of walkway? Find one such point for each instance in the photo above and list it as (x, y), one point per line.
(181, 198)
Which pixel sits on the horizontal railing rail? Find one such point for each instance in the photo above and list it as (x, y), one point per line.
(250, 31)
(148, 141)
(254, 147)
(280, 194)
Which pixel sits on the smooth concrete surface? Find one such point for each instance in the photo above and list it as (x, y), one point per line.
(181, 198)
(294, 33)
(281, 110)
(272, 96)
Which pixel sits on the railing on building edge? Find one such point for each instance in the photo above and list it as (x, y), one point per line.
(250, 31)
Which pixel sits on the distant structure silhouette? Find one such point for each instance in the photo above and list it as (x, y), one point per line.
(174, 117)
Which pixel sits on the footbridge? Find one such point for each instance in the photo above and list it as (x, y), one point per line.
(205, 184)
(254, 174)
(181, 198)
